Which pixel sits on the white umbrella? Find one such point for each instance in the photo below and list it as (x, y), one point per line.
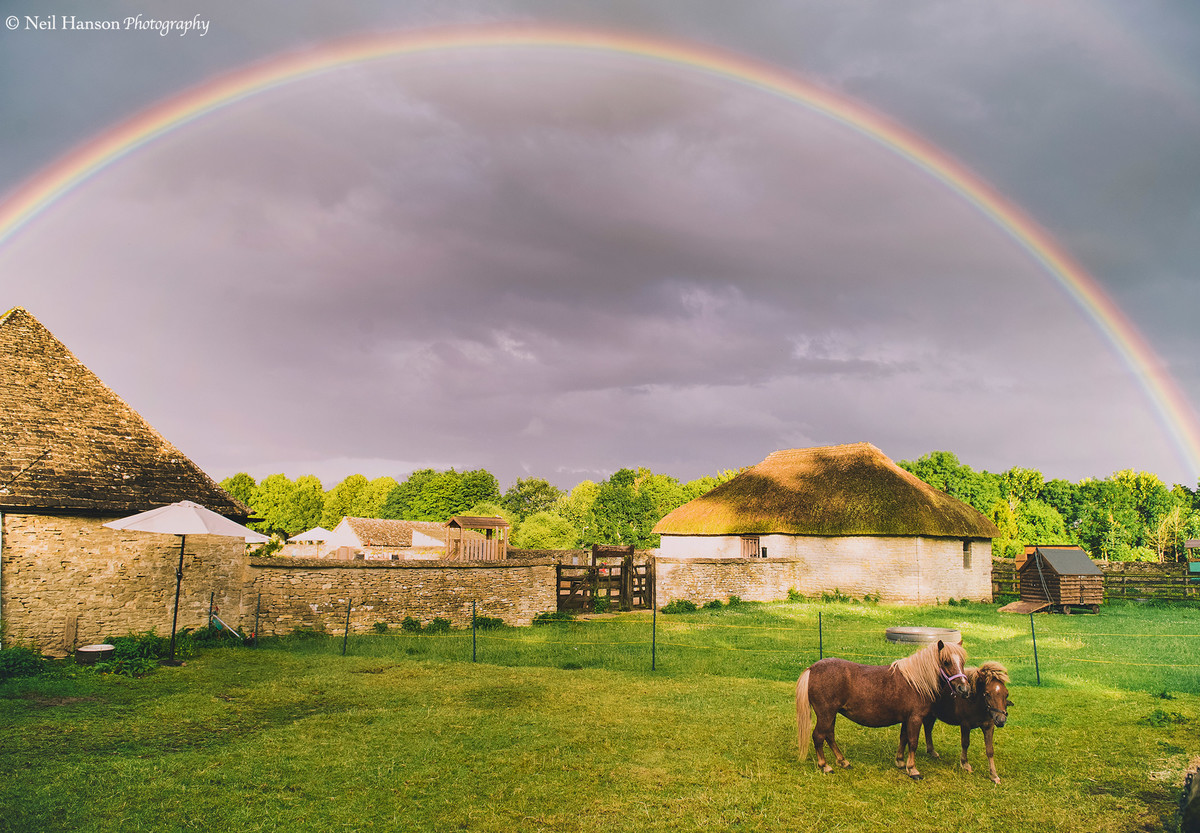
(183, 519)
(317, 533)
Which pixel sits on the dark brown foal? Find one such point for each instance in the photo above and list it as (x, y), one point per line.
(985, 708)
(875, 696)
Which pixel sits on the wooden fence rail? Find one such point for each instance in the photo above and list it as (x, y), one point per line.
(1117, 585)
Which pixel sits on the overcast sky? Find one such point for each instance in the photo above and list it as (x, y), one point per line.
(559, 263)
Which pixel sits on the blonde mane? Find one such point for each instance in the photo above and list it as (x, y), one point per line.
(989, 671)
(921, 669)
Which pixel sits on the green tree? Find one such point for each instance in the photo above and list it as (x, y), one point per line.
(429, 495)
(369, 501)
(578, 507)
(1008, 543)
(270, 502)
(942, 470)
(476, 486)
(340, 499)
(1040, 523)
(623, 514)
(530, 495)
(241, 487)
(1022, 484)
(545, 531)
(305, 506)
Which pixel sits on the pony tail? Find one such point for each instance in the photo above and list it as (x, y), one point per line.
(803, 716)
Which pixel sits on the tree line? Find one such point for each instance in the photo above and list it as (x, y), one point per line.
(1128, 516)
(621, 509)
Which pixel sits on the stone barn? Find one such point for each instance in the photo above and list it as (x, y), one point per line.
(841, 518)
(387, 540)
(74, 455)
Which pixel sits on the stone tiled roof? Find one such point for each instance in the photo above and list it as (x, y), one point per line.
(68, 443)
(381, 532)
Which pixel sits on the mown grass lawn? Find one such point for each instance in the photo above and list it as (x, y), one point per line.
(565, 728)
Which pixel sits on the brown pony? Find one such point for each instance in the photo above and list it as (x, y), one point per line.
(875, 695)
(985, 708)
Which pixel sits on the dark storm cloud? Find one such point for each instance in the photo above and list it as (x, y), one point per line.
(544, 263)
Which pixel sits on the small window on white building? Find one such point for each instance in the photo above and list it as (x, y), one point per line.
(966, 555)
(750, 546)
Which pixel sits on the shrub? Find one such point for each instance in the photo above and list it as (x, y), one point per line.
(488, 623)
(601, 604)
(835, 596)
(680, 606)
(795, 595)
(556, 616)
(871, 598)
(21, 662)
(715, 604)
(410, 625)
(381, 627)
(734, 601)
(438, 625)
(306, 632)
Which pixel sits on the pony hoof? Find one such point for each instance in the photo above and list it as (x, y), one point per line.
(827, 769)
(996, 780)
(844, 764)
(916, 776)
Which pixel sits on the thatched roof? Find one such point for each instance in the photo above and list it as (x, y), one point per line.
(69, 444)
(836, 490)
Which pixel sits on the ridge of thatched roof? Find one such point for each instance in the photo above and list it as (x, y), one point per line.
(69, 443)
(834, 490)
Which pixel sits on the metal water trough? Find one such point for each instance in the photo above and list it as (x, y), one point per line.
(92, 654)
(924, 635)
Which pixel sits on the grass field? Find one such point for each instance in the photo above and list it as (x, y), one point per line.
(564, 727)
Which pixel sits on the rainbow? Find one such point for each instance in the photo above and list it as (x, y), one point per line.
(37, 194)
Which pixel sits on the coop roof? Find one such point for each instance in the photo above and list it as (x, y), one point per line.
(68, 443)
(1066, 561)
(382, 532)
(835, 490)
(474, 522)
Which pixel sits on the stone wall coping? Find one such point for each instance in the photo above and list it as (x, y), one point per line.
(292, 563)
(669, 559)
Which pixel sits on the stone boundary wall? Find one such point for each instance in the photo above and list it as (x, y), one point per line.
(68, 581)
(702, 580)
(313, 593)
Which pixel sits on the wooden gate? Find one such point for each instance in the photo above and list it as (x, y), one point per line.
(625, 585)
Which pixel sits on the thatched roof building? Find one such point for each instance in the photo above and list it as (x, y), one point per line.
(842, 518)
(835, 490)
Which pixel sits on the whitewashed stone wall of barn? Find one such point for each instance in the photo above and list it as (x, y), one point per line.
(905, 570)
(69, 581)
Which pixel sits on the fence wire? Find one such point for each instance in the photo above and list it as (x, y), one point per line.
(1048, 650)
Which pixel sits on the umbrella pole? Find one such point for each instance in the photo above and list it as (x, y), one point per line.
(175, 616)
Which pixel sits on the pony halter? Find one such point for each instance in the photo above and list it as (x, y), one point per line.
(950, 678)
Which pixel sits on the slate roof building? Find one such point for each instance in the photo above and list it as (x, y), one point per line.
(853, 520)
(74, 455)
(385, 539)
(1062, 577)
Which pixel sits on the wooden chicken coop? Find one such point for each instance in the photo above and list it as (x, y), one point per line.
(1061, 578)
(476, 539)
